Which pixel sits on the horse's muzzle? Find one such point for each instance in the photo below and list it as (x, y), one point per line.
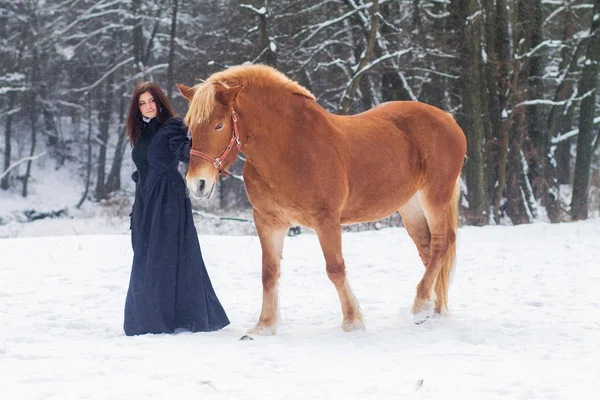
(201, 189)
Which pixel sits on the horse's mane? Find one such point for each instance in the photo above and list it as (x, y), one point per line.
(256, 75)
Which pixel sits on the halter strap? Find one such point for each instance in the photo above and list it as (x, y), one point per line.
(217, 162)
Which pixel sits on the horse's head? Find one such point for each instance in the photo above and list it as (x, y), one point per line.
(215, 144)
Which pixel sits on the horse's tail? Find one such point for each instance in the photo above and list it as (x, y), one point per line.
(449, 259)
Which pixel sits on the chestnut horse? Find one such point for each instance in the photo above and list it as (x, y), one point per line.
(306, 166)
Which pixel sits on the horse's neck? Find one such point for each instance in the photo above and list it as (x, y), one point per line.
(266, 131)
(266, 123)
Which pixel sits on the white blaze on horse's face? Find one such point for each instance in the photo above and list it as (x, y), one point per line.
(209, 137)
(202, 176)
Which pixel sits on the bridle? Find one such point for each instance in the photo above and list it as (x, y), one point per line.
(217, 162)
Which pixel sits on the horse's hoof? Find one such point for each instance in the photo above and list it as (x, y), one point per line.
(421, 317)
(246, 337)
(422, 312)
(353, 325)
(263, 330)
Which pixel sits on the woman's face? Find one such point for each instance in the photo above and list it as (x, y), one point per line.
(147, 105)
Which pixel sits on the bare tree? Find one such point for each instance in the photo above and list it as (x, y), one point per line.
(588, 87)
(469, 19)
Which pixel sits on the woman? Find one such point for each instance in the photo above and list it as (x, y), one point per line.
(169, 287)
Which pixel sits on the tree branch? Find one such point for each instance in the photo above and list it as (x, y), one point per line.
(21, 161)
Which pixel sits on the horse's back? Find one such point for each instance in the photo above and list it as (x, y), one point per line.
(411, 114)
(396, 149)
(432, 131)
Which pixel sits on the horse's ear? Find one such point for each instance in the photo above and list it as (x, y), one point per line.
(228, 95)
(187, 92)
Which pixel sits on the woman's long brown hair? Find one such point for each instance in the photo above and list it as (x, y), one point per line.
(134, 116)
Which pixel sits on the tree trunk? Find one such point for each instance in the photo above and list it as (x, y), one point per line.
(503, 55)
(537, 134)
(543, 172)
(89, 157)
(103, 126)
(392, 87)
(270, 56)
(588, 83)
(490, 92)
(32, 109)
(563, 162)
(381, 46)
(518, 205)
(113, 182)
(470, 53)
(354, 84)
(540, 143)
(173, 35)
(369, 93)
(559, 120)
(417, 27)
(7, 139)
(493, 141)
(12, 97)
(520, 199)
(138, 40)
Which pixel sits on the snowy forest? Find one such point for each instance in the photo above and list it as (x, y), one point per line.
(519, 76)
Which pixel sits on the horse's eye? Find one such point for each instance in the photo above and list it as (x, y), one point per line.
(219, 126)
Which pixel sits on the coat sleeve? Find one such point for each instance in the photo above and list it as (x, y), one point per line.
(179, 143)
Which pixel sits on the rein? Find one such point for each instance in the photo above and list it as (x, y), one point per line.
(217, 162)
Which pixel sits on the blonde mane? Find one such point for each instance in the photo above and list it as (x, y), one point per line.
(255, 75)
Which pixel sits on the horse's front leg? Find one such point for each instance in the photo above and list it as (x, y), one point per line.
(271, 232)
(329, 232)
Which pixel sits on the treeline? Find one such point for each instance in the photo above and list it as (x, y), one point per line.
(520, 77)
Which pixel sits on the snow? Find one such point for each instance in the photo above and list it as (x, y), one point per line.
(48, 189)
(259, 11)
(524, 321)
(52, 190)
(6, 89)
(67, 52)
(12, 77)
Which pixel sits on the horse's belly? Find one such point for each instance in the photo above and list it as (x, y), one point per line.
(368, 215)
(284, 211)
(369, 206)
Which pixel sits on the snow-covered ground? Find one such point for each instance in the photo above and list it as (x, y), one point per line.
(524, 323)
(61, 190)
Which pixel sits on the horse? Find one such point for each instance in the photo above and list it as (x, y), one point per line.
(306, 166)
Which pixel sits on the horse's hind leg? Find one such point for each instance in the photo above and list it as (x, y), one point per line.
(432, 289)
(329, 232)
(271, 233)
(415, 224)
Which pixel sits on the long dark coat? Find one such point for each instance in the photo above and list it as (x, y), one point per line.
(169, 286)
